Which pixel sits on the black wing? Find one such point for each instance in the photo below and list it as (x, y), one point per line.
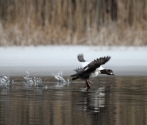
(81, 58)
(96, 63)
(79, 70)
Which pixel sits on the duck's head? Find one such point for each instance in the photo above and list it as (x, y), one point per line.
(110, 72)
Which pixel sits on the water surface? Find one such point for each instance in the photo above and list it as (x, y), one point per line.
(110, 101)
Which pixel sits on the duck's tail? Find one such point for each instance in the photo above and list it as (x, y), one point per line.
(74, 76)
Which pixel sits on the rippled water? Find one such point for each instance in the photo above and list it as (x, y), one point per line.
(110, 101)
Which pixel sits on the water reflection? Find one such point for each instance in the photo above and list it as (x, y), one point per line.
(5, 91)
(115, 102)
(94, 100)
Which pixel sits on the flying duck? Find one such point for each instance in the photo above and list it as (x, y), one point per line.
(91, 70)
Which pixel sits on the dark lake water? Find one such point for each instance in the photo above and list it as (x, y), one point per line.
(110, 101)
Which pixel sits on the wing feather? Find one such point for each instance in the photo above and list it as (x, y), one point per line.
(97, 63)
(79, 70)
(81, 58)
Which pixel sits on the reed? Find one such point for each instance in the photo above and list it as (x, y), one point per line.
(90, 22)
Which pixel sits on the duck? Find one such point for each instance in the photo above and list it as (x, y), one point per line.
(91, 69)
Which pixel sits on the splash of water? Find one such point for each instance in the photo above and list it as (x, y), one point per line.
(36, 81)
(59, 78)
(6, 81)
(28, 79)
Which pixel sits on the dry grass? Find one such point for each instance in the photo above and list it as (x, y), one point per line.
(90, 22)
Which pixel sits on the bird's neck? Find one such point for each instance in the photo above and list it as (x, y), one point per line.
(104, 71)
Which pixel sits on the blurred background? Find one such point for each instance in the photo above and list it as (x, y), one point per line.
(73, 22)
(50, 33)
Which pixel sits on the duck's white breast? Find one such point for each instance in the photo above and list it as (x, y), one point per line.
(94, 74)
